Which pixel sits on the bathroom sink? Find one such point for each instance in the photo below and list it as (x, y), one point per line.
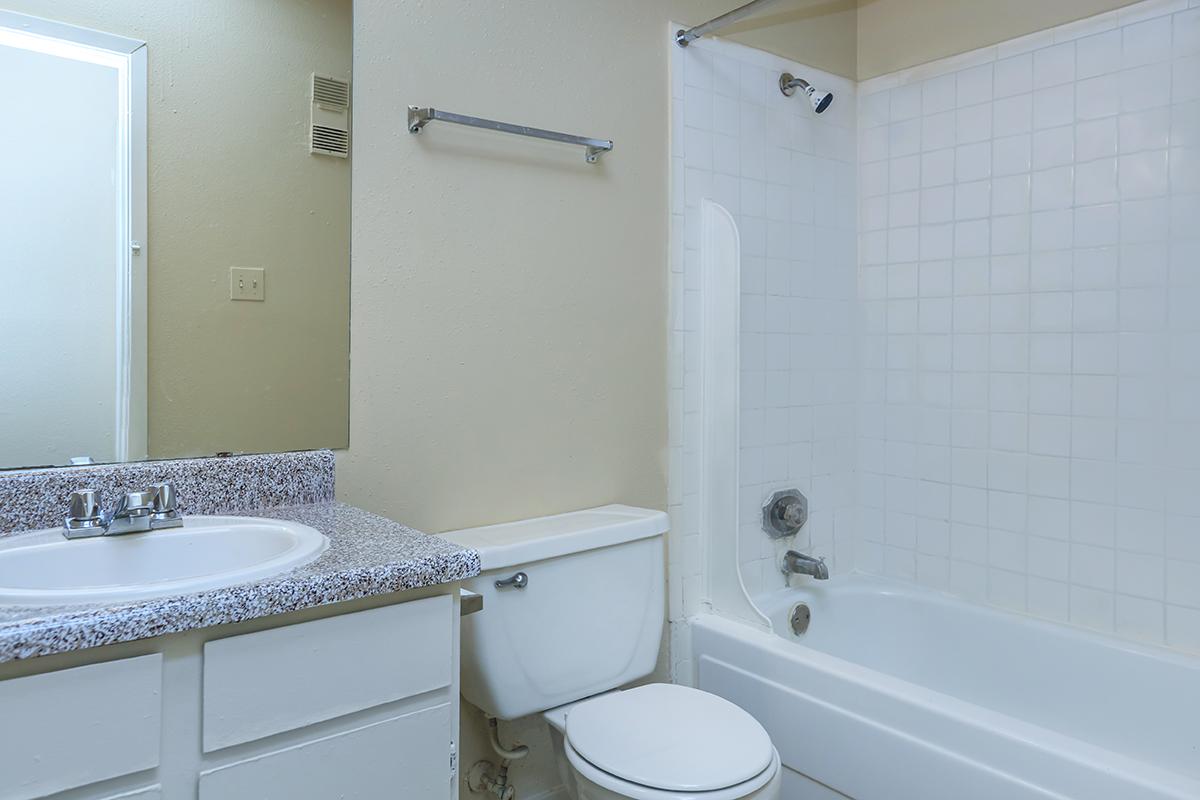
(44, 568)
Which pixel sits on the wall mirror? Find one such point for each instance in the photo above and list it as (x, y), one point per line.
(175, 270)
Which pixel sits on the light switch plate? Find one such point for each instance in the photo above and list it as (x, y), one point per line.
(247, 283)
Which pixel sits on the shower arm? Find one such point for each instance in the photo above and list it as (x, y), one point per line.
(685, 37)
(788, 83)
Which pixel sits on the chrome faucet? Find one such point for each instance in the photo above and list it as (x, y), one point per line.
(799, 564)
(151, 509)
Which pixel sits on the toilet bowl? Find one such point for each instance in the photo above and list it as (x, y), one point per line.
(572, 611)
(663, 742)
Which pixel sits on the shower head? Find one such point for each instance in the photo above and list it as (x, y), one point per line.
(820, 99)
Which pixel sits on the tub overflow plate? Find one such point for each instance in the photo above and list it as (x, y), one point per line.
(801, 616)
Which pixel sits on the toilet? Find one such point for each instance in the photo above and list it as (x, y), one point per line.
(573, 611)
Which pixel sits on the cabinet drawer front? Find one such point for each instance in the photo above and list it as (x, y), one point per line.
(259, 684)
(76, 726)
(402, 757)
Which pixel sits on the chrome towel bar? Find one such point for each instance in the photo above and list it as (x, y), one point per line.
(418, 118)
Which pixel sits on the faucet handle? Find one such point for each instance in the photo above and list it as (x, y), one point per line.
(84, 514)
(138, 502)
(84, 506)
(795, 514)
(165, 513)
(165, 499)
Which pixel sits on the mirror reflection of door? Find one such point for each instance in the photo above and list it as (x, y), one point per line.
(72, 219)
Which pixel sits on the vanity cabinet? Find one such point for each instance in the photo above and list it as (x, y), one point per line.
(358, 704)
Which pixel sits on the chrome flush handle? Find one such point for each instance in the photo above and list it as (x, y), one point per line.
(518, 581)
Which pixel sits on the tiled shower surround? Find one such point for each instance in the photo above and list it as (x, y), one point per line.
(788, 178)
(1028, 342)
(1029, 428)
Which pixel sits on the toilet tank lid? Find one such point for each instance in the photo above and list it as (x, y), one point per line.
(512, 543)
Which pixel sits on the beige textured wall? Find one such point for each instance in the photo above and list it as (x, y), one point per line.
(509, 308)
(896, 34)
(232, 184)
(509, 301)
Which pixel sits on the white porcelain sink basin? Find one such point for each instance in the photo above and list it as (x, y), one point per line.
(44, 568)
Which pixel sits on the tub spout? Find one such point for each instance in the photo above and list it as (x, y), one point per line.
(799, 564)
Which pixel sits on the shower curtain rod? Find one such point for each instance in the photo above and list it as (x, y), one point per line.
(684, 38)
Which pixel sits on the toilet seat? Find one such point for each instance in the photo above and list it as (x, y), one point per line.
(669, 741)
(634, 791)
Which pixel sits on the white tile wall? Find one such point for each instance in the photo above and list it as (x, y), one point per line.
(1029, 283)
(788, 177)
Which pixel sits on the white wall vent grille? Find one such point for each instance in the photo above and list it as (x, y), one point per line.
(331, 93)
(330, 117)
(330, 141)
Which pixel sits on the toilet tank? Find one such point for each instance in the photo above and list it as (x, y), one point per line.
(589, 617)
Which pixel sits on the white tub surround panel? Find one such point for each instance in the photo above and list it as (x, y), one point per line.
(788, 178)
(1030, 284)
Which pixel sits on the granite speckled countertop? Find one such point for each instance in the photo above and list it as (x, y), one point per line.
(367, 555)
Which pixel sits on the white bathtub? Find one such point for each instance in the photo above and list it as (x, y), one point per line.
(900, 693)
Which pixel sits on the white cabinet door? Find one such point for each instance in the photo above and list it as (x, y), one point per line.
(65, 729)
(405, 757)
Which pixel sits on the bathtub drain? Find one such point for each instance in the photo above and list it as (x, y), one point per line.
(800, 618)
